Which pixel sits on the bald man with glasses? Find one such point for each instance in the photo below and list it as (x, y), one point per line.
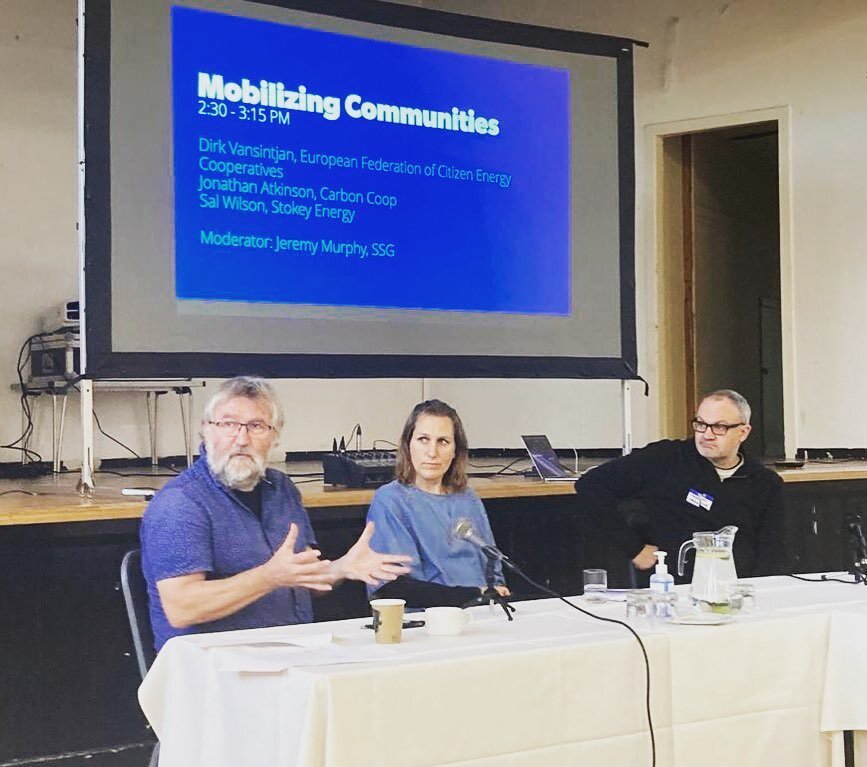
(658, 496)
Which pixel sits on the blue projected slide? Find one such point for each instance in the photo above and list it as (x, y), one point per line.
(325, 169)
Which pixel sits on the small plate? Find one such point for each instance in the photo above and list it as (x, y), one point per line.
(606, 595)
(700, 619)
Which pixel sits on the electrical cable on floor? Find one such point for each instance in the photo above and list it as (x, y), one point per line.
(171, 473)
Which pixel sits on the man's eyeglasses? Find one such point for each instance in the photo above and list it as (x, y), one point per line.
(231, 428)
(720, 429)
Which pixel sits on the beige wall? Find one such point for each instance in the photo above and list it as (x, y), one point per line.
(706, 58)
(710, 59)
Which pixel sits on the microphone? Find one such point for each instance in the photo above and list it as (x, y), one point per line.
(463, 529)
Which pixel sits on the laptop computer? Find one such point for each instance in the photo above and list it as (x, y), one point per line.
(545, 460)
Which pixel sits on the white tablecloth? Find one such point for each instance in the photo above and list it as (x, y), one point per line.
(554, 687)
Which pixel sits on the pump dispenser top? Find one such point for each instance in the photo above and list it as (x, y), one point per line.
(661, 580)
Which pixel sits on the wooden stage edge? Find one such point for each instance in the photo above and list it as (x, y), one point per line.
(53, 499)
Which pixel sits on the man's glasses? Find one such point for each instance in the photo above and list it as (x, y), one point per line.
(231, 428)
(720, 429)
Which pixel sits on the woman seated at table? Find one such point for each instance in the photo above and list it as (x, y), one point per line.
(417, 513)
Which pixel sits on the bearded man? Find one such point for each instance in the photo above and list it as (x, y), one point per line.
(227, 544)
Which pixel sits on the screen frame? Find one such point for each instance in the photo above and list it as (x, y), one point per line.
(102, 361)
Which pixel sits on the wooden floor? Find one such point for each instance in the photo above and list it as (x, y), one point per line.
(55, 498)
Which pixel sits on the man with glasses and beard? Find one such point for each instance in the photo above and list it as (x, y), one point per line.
(227, 544)
(657, 497)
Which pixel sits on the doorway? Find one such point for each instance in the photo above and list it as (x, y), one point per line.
(719, 275)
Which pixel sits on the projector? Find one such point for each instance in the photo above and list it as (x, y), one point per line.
(63, 317)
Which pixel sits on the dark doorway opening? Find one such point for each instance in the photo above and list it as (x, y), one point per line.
(720, 272)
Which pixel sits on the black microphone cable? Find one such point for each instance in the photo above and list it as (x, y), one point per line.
(463, 530)
(544, 589)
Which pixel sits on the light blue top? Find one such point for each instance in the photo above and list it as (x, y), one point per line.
(410, 521)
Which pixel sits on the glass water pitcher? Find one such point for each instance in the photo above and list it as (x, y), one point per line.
(714, 570)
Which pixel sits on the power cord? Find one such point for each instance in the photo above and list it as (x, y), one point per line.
(502, 468)
(823, 579)
(387, 442)
(125, 447)
(355, 430)
(20, 444)
(116, 441)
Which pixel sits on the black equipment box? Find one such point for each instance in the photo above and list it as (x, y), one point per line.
(55, 357)
(359, 468)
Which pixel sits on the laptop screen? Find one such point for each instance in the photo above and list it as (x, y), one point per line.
(545, 459)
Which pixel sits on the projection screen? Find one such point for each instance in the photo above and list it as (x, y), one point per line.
(317, 189)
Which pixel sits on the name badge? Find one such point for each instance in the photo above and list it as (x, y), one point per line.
(699, 500)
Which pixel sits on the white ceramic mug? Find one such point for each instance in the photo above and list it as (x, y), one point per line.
(446, 621)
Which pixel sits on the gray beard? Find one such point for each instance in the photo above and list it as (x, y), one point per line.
(237, 474)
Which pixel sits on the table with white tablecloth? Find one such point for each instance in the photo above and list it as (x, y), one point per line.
(776, 685)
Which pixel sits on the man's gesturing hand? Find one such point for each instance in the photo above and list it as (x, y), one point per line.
(362, 563)
(303, 569)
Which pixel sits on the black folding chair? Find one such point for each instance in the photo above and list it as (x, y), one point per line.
(135, 596)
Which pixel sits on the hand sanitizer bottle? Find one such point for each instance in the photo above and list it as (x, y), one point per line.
(662, 582)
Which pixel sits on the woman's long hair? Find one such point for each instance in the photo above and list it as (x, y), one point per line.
(455, 479)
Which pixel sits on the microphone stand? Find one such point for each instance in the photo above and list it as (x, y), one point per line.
(490, 594)
(859, 548)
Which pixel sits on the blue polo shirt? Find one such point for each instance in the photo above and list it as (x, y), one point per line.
(196, 525)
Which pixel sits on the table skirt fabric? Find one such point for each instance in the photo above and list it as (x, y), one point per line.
(774, 686)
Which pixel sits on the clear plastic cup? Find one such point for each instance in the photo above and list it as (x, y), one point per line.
(746, 592)
(664, 603)
(640, 606)
(595, 584)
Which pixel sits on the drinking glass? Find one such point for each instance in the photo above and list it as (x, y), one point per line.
(664, 603)
(595, 584)
(747, 594)
(640, 605)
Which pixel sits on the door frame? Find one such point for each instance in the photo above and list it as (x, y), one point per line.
(670, 414)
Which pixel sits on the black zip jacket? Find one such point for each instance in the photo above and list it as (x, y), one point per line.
(642, 499)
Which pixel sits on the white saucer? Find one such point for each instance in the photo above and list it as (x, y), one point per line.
(700, 619)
